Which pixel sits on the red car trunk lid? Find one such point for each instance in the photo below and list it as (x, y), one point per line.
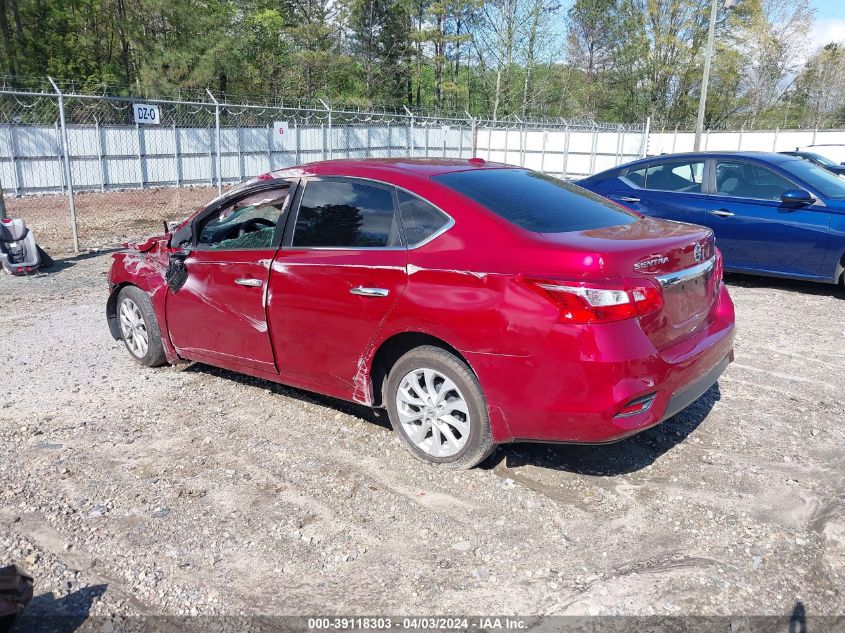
(680, 257)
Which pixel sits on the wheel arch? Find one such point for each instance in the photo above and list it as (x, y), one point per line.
(111, 309)
(397, 345)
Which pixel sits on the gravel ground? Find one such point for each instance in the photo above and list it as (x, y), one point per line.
(192, 490)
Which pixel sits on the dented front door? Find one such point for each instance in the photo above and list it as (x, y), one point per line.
(218, 314)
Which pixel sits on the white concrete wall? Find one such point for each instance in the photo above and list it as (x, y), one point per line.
(830, 143)
(128, 157)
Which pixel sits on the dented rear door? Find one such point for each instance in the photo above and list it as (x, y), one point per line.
(334, 283)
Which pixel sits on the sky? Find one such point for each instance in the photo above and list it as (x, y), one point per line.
(830, 21)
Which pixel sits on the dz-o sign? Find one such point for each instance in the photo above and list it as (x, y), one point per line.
(280, 132)
(146, 113)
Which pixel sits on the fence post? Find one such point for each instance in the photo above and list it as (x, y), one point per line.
(618, 144)
(240, 151)
(270, 137)
(330, 139)
(507, 134)
(410, 130)
(646, 137)
(674, 139)
(68, 172)
(775, 140)
(815, 131)
(298, 142)
(176, 156)
(565, 150)
(389, 140)
(741, 131)
(140, 155)
(472, 135)
(218, 162)
(543, 152)
(100, 154)
(522, 141)
(594, 149)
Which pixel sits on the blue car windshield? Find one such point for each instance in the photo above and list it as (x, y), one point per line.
(824, 182)
(821, 160)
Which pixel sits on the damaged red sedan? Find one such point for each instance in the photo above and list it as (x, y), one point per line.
(478, 303)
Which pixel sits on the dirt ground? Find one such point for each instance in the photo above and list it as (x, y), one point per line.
(192, 490)
(105, 220)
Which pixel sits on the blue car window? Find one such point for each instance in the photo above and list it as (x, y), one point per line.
(680, 176)
(746, 180)
(637, 176)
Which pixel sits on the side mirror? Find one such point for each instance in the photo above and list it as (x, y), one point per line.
(796, 198)
(176, 274)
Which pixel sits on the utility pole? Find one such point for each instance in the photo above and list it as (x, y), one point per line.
(708, 56)
(708, 53)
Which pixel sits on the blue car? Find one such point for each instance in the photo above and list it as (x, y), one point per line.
(772, 214)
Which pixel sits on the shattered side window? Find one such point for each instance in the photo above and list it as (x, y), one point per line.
(248, 223)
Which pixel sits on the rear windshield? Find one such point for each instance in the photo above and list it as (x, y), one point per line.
(536, 202)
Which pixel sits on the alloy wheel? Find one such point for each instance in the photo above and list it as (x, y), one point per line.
(134, 328)
(433, 412)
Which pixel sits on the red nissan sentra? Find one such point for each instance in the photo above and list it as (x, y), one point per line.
(478, 303)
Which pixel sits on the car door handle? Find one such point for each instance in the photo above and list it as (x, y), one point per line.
(252, 283)
(369, 292)
(723, 213)
(627, 199)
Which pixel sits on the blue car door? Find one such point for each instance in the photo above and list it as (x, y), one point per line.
(668, 189)
(756, 231)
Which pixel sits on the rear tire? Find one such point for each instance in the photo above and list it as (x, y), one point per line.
(437, 408)
(139, 327)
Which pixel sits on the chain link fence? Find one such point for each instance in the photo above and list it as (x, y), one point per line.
(85, 172)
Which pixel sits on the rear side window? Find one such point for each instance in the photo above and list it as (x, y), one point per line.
(420, 220)
(344, 213)
(685, 177)
(537, 202)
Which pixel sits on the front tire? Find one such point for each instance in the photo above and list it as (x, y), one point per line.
(437, 408)
(139, 327)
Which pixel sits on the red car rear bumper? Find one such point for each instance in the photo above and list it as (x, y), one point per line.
(574, 389)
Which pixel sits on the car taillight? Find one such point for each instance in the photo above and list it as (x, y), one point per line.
(583, 302)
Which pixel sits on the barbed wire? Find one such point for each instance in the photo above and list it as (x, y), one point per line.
(240, 109)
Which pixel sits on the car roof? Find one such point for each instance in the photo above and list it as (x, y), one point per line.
(769, 157)
(384, 167)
